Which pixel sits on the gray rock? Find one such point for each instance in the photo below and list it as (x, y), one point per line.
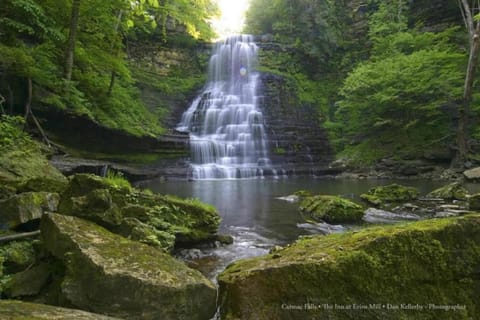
(112, 275)
(17, 310)
(472, 174)
(25, 207)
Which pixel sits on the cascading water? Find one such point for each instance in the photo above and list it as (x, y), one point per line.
(227, 135)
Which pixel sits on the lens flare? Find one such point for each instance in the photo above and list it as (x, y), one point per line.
(243, 71)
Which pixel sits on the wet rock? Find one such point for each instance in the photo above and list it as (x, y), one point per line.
(453, 191)
(112, 275)
(357, 268)
(25, 207)
(291, 198)
(18, 310)
(322, 227)
(393, 193)
(331, 209)
(472, 174)
(374, 215)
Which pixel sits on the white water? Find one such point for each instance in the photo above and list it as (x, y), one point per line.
(227, 135)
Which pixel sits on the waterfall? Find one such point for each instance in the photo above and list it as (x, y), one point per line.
(227, 135)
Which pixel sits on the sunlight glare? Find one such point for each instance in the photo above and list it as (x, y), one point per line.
(232, 17)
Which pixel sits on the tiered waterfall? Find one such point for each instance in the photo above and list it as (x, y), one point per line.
(227, 134)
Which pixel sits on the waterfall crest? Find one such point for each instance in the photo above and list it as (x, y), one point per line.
(227, 134)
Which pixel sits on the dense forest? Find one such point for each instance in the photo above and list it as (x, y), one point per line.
(75, 57)
(387, 77)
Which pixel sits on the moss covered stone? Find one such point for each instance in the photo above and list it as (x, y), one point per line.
(17, 256)
(109, 274)
(150, 218)
(17, 310)
(25, 207)
(331, 209)
(429, 263)
(392, 193)
(452, 191)
(48, 184)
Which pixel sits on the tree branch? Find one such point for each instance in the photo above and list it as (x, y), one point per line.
(19, 236)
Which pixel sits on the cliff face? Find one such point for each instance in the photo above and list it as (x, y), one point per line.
(298, 143)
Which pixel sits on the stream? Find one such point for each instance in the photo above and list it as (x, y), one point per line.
(257, 219)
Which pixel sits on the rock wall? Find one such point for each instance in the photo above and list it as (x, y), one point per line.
(298, 143)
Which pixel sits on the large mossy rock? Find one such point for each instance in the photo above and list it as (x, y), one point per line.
(155, 219)
(452, 191)
(431, 262)
(393, 193)
(109, 274)
(331, 209)
(25, 207)
(18, 310)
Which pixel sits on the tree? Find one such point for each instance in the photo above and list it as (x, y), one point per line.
(72, 38)
(464, 108)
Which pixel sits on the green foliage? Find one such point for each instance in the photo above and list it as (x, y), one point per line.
(312, 27)
(12, 135)
(32, 45)
(117, 180)
(397, 101)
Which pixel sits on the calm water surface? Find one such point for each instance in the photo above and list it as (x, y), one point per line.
(252, 213)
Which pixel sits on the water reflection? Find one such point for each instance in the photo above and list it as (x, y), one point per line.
(252, 213)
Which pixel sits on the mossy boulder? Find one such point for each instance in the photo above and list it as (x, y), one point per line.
(20, 163)
(366, 274)
(18, 310)
(28, 282)
(150, 218)
(474, 202)
(24, 207)
(55, 184)
(16, 256)
(331, 209)
(452, 191)
(393, 193)
(109, 274)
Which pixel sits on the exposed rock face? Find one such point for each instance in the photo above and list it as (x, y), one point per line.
(429, 263)
(298, 143)
(17, 310)
(112, 275)
(331, 209)
(25, 207)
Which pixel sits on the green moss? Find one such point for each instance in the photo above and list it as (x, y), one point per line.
(18, 310)
(107, 268)
(117, 180)
(427, 262)
(382, 195)
(158, 220)
(453, 191)
(331, 209)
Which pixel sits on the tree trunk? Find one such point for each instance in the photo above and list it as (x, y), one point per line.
(112, 75)
(464, 108)
(72, 37)
(29, 113)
